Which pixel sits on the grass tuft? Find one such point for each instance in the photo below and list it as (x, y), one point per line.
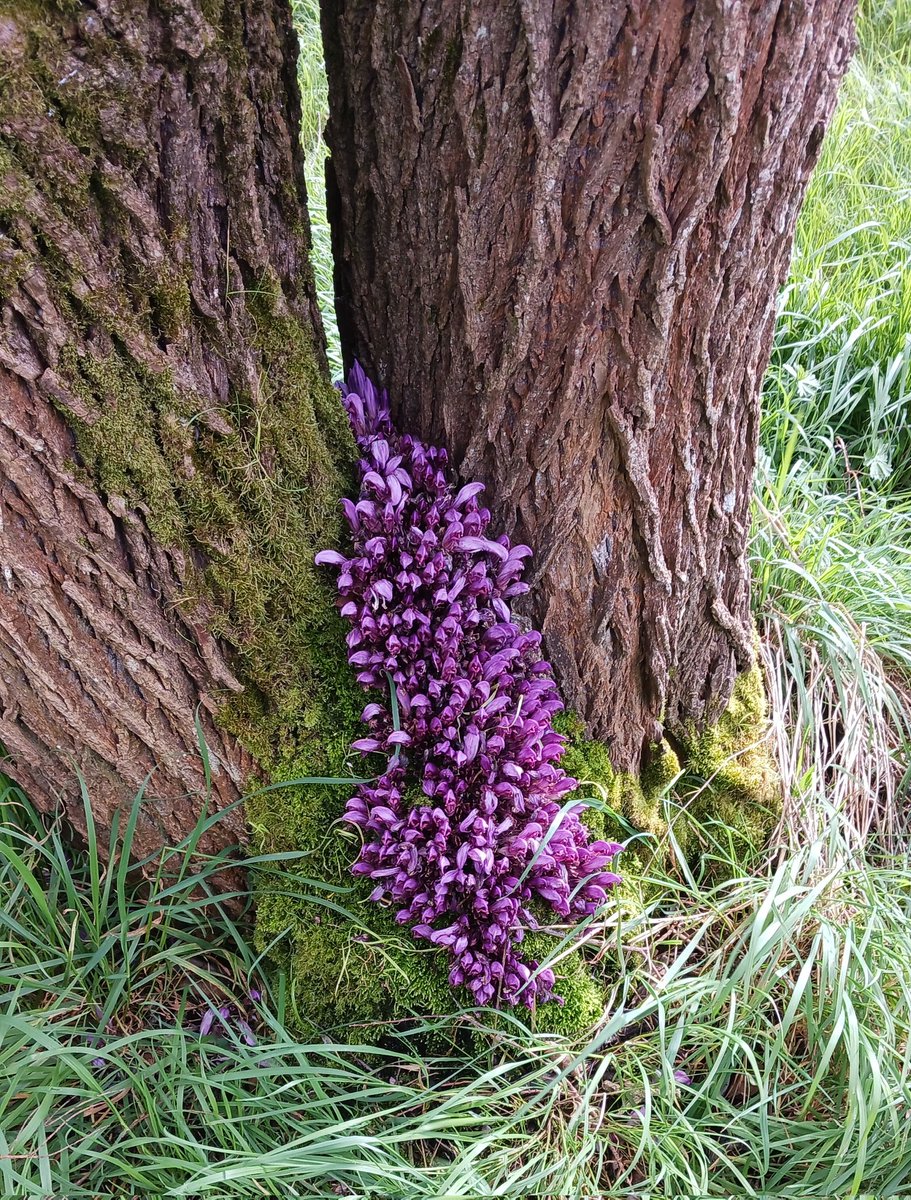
(755, 1042)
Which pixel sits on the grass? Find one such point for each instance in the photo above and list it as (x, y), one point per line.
(784, 998)
(758, 1035)
(831, 543)
(846, 315)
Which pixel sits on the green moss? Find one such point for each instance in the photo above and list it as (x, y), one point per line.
(582, 997)
(661, 769)
(169, 301)
(351, 973)
(724, 776)
(117, 427)
(14, 266)
(355, 971)
(617, 803)
(738, 785)
(452, 59)
(14, 190)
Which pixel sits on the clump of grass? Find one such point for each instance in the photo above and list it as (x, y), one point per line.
(832, 583)
(831, 544)
(846, 314)
(756, 1042)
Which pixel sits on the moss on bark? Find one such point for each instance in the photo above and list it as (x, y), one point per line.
(723, 775)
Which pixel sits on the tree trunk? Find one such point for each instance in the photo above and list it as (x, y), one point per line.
(559, 233)
(171, 451)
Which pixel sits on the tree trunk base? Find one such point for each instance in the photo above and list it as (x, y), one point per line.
(358, 970)
(729, 776)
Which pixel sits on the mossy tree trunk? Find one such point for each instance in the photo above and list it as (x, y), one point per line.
(559, 230)
(171, 450)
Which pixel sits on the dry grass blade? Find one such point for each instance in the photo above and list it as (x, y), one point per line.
(838, 746)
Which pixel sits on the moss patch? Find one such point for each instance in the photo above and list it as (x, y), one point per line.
(353, 970)
(618, 804)
(722, 776)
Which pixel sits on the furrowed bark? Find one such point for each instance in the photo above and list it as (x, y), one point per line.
(153, 231)
(559, 233)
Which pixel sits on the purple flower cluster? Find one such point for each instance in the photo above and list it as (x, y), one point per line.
(465, 827)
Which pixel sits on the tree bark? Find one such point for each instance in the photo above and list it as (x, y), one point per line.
(559, 232)
(160, 351)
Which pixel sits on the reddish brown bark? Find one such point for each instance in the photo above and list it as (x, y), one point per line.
(151, 192)
(559, 230)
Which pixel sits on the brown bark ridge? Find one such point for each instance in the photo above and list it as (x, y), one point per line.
(158, 330)
(559, 233)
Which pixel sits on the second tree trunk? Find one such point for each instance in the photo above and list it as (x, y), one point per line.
(565, 226)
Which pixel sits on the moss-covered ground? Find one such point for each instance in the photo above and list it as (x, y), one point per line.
(352, 968)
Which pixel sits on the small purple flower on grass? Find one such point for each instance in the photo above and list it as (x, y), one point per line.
(427, 592)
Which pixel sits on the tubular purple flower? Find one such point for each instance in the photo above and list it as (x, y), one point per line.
(426, 593)
(330, 558)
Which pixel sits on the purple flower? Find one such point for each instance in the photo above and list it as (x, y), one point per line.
(426, 592)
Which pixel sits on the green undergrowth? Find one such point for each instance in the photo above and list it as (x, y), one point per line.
(831, 541)
(755, 1043)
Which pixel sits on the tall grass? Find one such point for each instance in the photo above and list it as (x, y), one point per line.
(831, 544)
(849, 299)
(757, 1041)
